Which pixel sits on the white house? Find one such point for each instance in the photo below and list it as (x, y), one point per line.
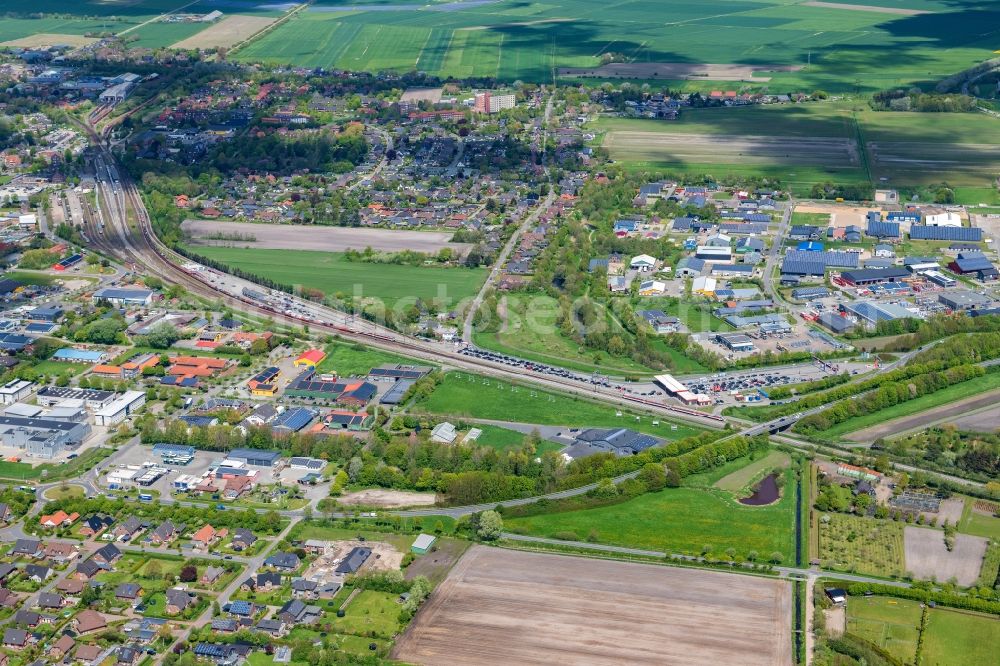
(652, 288)
(643, 263)
(884, 251)
(943, 220)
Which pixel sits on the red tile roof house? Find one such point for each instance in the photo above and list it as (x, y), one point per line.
(58, 519)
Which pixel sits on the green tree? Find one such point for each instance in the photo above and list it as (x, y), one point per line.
(490, 526)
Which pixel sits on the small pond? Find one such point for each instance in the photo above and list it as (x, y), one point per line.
(766, 492)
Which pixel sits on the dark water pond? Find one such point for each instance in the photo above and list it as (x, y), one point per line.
(766, 492)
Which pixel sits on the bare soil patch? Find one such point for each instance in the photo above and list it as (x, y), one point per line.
(678, 71)
(836, 620)
(927, 417)
(746, 149)
(436, 564)
(901, 11)
(840, 216)
(926, 555)
(44, 39)
(509, 607)
(387, 498)
(432, 95)
(324, 239)
(384, 557)
(230, 30)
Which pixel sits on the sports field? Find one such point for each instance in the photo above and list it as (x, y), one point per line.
(808, 143)
(835, 46)
(331, 273)
(950, 638)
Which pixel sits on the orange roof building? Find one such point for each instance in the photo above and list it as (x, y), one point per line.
(310, 359)
(205, 535)
(58, 519)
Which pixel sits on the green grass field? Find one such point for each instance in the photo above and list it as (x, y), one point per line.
(892, 624)
(739, 479)
(332, 274)
(461, 394)
(917, 405)
(978, 524)
(503, 439)
(681, 520)
(348, 359)
(834, 48)
(529, 331)
(958, 638)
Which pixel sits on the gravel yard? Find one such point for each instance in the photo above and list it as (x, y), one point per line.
(926, 556)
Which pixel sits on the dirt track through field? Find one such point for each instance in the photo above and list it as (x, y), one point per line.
(901, 11)
(722, 148)
(324, 239)
(958, 408)
(230, 30)
(508, 607)
(678, 71)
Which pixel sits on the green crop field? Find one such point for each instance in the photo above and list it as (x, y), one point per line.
(861, 545)
(892, 624)
(808, 143)
(681, 520)
(739, 479)
(978, 523)
(958, 638)
(332, 274)
(838, 49)
(464, 395)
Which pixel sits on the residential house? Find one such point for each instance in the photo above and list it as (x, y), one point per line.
(88, 620)
(243, 539)
(6, 569)
(107, 555)
(58, 519)
(125, 531)
(128, 592)
(60, 552)
(37, 572)
(8, 599)
(165, 532)
(273, 626)
(27, 618)
(283, 561)
(71, 586)
(241, 609)
(303, 588)
(50, 600)
(27, 548)
(237, 486)
(5, 513)
(212, 575)
(94, 525)
(128, 655)
(225, 625)
(297, 611)
(179, 600)
(61, 647)
(87, 653)
(15, 638)
(204, 537)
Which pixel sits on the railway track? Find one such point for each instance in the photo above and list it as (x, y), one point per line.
(144, 250)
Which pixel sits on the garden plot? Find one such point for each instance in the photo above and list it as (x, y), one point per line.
(927, 557)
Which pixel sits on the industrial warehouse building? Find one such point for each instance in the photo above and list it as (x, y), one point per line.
(117, 411)
(15, 390)
(42, 437)
(872, 312)
(874, 275)
(92, 398)
(254, 457)
(965, 300)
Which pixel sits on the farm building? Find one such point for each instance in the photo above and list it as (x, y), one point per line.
(975, 264)
(422, 544)
(943, 220)
(689, 267)
(620, 441)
